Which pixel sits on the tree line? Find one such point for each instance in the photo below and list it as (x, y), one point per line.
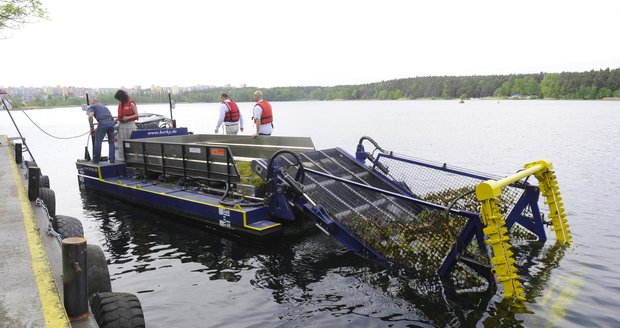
(566, 85)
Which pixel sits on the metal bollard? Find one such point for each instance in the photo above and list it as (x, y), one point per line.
(18, 153)
(74, 276)
(34, 173)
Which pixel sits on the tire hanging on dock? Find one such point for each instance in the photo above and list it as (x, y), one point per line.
(45, 181)
(68, 226)
(97, 273)
(48, 197)
(115, 310)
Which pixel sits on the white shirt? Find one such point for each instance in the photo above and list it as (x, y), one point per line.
(264, 128)
(223, 109)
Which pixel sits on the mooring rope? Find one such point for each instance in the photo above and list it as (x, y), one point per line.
(38, 127)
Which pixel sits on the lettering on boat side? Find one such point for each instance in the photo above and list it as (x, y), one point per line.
(162, 132)
(194, 150)
(225, 223)
(224, 212)
(88, 170)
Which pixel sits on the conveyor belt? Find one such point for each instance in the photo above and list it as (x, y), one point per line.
(412, 237)
(342, 199)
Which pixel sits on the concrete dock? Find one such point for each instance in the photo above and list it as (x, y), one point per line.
(30, 260)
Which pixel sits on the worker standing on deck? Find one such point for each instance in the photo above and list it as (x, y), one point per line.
(105, 126)
(127, 115)
(263, 117)
(229, 115)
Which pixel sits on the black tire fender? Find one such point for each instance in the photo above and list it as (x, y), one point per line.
(68, 226)
(48, 197)
(98, 273)
(117, 310)
(44, 182)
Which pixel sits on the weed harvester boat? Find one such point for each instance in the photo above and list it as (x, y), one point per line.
(435, 223)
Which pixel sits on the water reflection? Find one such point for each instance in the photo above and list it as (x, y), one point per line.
(138, 236)
(535, 262)
(307, 274)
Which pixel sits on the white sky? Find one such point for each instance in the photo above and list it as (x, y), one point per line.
(266, 43)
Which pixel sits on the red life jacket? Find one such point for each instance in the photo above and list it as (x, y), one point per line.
(124, 109)
(232, 115)
(265, 116)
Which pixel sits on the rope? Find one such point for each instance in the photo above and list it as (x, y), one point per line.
(16, 127)
(38, 127)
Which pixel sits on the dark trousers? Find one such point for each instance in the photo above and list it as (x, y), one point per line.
(103, 129)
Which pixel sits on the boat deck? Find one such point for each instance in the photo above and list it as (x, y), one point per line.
(200, 206)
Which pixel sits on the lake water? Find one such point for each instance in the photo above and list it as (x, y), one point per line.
(188, 277)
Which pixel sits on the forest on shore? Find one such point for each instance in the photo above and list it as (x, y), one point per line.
(589, 85)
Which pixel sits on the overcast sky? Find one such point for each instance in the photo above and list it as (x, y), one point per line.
(124, 43)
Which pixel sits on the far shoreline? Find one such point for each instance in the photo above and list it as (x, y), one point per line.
(387, 100)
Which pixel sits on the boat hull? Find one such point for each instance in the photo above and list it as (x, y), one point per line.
(110, 179)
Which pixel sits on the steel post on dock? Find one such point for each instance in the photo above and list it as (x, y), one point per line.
(34, 173)
(74, 277)
(18, 153)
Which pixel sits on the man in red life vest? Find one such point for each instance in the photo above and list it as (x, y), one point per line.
(263, 117)
(230, 115)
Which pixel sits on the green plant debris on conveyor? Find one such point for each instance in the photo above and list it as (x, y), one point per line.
(247, 175)
(419, 242)
(421, 246)
(469, 203)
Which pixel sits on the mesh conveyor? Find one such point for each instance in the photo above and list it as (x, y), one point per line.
(412, 237)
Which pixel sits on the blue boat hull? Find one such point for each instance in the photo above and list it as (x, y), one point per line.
(204, 208)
